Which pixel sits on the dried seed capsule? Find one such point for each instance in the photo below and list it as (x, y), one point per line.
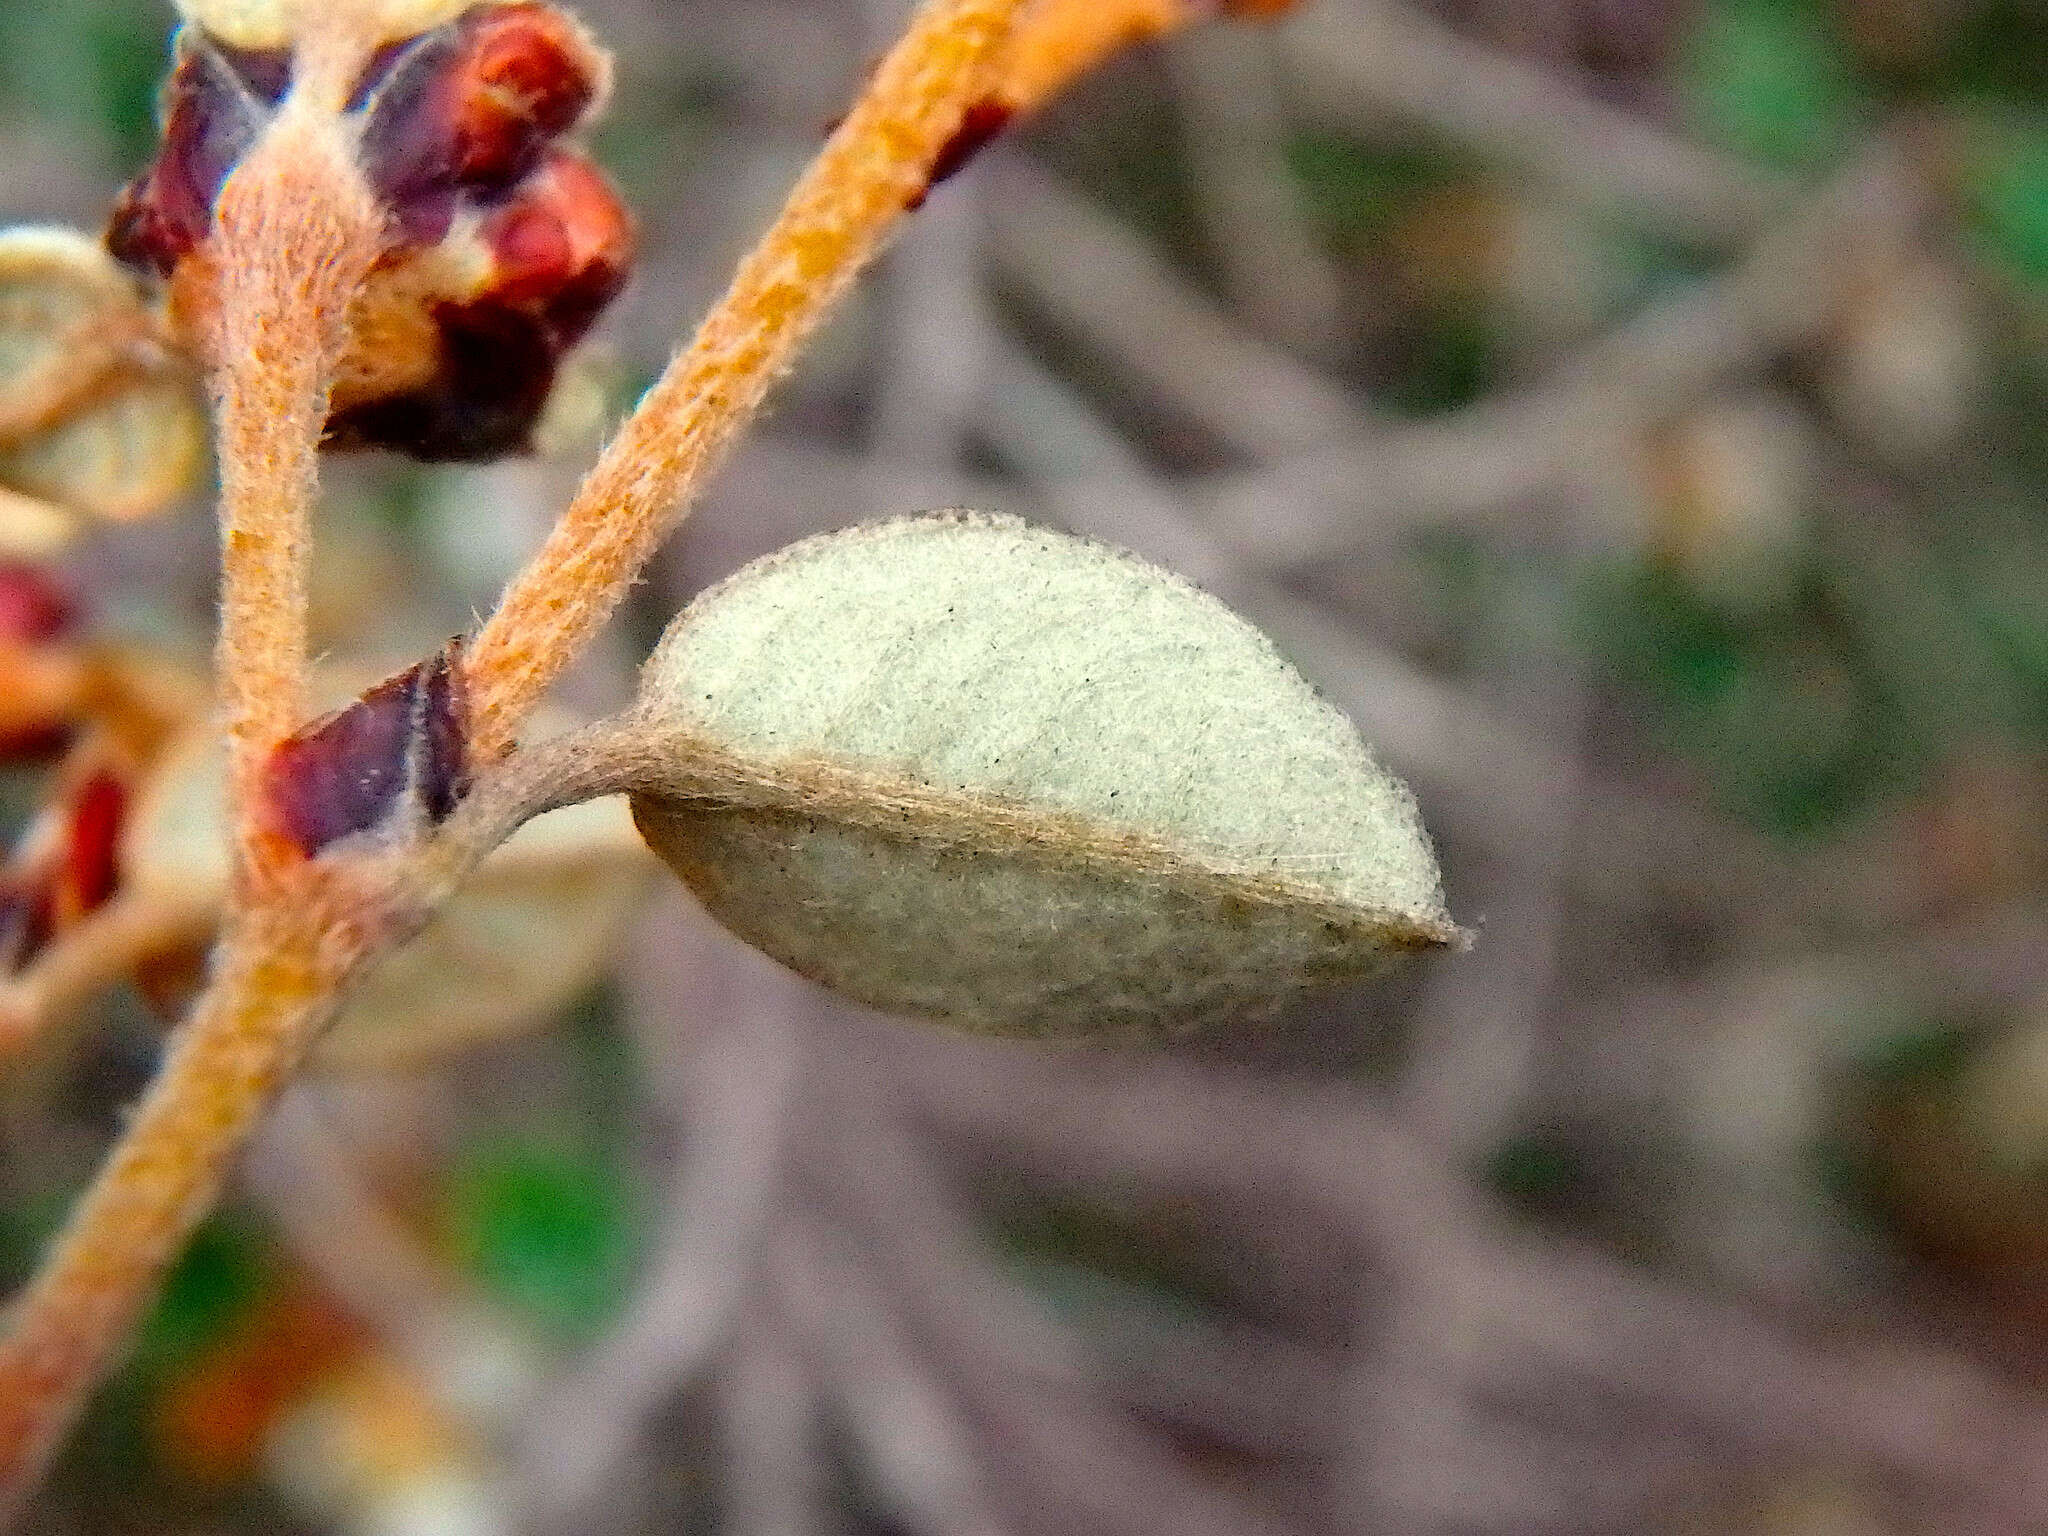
(505, 246)
(962, 767)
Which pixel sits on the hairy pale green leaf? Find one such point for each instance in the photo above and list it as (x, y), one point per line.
(1027, 784)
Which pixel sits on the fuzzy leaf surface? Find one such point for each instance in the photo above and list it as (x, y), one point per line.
(993, 774)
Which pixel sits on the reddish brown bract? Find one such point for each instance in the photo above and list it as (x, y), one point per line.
(395, 761)
(40, 676)
(978, 125)
(504, 248)
(214, 107)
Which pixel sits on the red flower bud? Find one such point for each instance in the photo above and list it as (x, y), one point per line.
(471, 108)
(394, 761)
(457, 142)
(92, 840)
(558, 251)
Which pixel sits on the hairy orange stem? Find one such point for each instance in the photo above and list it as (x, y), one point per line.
(283, 973)
(1059, 40)
(278, 984)
(873, 167)
(957, 55)
(296, 234)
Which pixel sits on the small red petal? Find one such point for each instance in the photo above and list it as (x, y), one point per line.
(33, 608)
(91, 868)
(475, 105)
(533, 256)
(397, 756)
(64, 866)
(563, 245)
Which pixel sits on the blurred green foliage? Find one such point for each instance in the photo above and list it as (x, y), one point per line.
(90, 71)
(1786, 717)
(1772, 80)
(2007, 171)
(215, 1289)
(225, 1270)
(548, 1230)
(1357, 190)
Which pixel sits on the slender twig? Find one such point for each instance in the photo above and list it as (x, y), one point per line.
(307, 1179)
(1016, 1369)
(877, 164)
(32, 529)
(1257, 233)
(1060, 39)
(771, 1411)
(1370, 59)
(903, 1414)
(297, 231)
(733, 1064)
(92, 360)
(106, 944)
(1329, 500)
(279, 983)
(1119, 296)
